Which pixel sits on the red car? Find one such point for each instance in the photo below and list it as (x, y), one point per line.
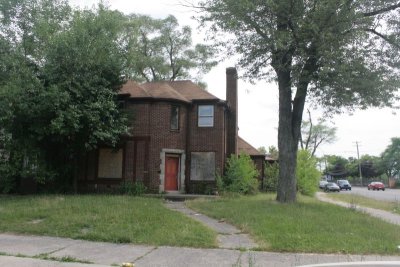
(376, 186)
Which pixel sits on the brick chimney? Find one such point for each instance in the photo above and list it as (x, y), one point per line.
(232, 112)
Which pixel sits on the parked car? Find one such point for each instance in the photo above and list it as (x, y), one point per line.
(344, 185)
(329, 187)
(376, 186)
(322, 184)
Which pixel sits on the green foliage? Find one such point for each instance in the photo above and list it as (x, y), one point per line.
(262, 150)
(273, 152)
(391, 158)
(8, 182)
(341, 54)
(271, 176)
(336, 165)
(219, 180)
(134, 189)
(241, 175)
(58, 96)
(307, 173)
(159, 49)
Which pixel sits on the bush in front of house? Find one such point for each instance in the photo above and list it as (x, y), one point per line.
(134, 189)
(240, 177)
(307, 173)
(271, 177)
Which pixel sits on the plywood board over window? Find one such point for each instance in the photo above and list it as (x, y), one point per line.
(202, 166)
(110, 163)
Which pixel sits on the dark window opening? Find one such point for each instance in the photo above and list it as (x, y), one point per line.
(174, 118)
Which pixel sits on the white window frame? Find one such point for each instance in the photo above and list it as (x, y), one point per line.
(199, 116)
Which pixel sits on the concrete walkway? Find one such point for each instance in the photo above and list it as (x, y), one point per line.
(228, 236)
(107, 254)
(381, 214)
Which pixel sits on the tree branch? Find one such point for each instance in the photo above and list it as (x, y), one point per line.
(383, 37)
(381, 11)
(310, 130)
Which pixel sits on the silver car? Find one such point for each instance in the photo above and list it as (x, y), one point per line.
(332, 187)
(322, 184)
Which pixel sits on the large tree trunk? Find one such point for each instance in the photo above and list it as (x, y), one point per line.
(287, 145)
(289, 129)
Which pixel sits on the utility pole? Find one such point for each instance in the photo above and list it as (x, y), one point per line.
(359, 164)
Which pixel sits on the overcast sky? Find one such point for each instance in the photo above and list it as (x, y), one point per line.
(258, 103)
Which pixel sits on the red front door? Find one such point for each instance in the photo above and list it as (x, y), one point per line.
(171, 173)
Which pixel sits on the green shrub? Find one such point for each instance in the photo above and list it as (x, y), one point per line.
(134, 189)
(219, 180)
(271, 177)
(307, 173)
(241, 175)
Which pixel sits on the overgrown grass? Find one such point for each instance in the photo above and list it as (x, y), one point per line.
(119, 219)
(307, 226)
(392, 206)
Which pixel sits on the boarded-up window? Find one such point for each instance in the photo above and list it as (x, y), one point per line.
(110, 163)
(202, 166)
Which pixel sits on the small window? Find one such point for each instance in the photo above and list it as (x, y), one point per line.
(206, 116)
(174, 118)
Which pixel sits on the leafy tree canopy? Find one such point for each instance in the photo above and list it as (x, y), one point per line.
(391, 158)
(339, 53)
(159, 49)
(59, 103)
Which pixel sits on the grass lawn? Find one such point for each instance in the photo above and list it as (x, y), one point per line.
(307, 226)
(120, 219)
(367, 202)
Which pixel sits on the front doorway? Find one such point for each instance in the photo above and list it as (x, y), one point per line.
(171, 172)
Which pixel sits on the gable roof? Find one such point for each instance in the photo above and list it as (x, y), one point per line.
(244, 147)
(185, 91)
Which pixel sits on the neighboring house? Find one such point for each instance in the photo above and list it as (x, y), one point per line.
(180, 139)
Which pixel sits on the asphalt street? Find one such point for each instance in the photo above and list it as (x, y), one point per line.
(387, 195)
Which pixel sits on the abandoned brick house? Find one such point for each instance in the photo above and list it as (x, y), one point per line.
(180, 139)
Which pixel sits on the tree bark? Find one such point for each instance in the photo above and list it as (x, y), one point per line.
(286, 191)
(289, 129)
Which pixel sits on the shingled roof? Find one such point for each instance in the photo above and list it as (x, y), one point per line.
(244, 147)
(133, 89)
(185, 91)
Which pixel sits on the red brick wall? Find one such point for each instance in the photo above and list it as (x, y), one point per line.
(206, 139)
(153, 119)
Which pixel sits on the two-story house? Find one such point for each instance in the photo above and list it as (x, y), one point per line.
(180, 139)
